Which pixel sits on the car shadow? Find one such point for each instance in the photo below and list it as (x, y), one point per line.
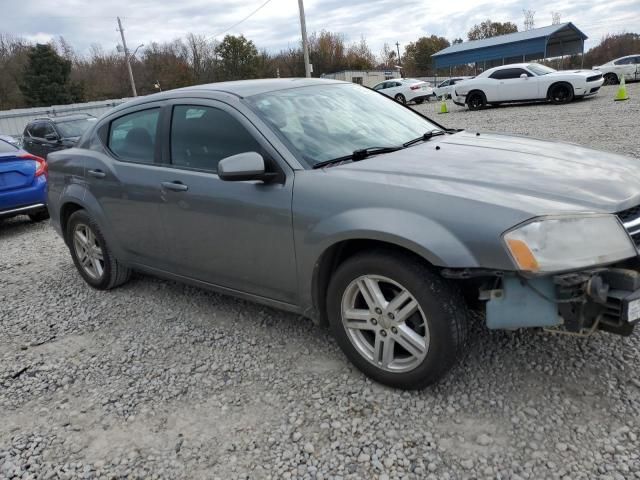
(14, 226)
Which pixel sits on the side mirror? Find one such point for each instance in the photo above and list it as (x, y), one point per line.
(51, 137)
(242, 167)
(524, 75)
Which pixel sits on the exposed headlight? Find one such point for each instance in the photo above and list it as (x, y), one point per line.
(552, 244)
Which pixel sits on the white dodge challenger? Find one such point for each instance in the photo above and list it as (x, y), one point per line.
(526, 82)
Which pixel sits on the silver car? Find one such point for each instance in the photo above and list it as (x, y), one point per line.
(327, 199)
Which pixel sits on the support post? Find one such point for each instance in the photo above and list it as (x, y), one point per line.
(127, 58)
(305, 42)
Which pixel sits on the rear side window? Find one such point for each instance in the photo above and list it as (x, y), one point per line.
(202, 136)
(133, 136)
(7, 147)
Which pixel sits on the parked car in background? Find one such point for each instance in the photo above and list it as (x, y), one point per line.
(9, 139)
(405, 90)
(613, 71)
(445, 89)
(326, 199)
(23, 183)
(526, 82)
(49, 134)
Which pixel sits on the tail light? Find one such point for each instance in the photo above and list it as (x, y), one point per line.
(41, 164)
(415, 87)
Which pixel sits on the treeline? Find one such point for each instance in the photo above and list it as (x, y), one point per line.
(42, 75)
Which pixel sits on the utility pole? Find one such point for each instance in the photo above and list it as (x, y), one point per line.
(127, 59)
(398, 47)
(305, 42)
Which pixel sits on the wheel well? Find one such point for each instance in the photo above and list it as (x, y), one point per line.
(66, 211)
(551, 87)
(338, 253)
(473, 92)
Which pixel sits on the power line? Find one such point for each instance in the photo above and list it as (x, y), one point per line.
(241, 21)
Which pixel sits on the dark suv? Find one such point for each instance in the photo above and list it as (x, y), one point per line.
(49, 134)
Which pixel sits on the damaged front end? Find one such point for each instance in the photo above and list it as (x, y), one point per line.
(577, 303)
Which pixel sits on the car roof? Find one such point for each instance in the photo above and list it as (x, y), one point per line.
(63, 118)
(238, 88)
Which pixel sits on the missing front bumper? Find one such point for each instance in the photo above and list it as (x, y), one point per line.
(605, 299)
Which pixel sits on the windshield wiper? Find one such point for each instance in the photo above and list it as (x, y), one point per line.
(358, 155)
(424, 138)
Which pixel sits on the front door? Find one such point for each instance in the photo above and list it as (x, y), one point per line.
(233, 234)
(514, 87)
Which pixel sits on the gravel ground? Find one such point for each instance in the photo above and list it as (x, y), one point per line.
(161, 380)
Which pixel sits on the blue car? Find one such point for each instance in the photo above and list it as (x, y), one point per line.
(23, 183)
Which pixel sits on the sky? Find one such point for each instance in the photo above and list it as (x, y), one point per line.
(276, 25)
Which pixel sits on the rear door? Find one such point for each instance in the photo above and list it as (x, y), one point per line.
(232, 234)
(125, 179)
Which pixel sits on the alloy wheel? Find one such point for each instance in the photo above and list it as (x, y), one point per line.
(385, 323)
(88, 251)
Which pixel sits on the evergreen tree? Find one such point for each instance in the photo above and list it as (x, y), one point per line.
(46, 80)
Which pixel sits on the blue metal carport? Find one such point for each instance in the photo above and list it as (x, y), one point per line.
(534, 44)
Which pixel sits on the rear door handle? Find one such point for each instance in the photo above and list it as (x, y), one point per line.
(176, 186)
(97, 173)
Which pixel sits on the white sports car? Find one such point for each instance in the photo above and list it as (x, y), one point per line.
(526, 82)
(613, 71)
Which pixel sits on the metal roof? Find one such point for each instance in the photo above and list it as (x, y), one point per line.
(549, 41)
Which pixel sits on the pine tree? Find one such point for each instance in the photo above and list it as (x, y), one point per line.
(46, 79)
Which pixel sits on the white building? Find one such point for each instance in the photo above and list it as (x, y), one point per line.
(368, 78)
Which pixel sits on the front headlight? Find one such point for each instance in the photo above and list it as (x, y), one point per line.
(553, 244)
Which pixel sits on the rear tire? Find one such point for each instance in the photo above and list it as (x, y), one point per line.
(91, 255)
(400, 99)
(611, 79)
(476, 101)
(39, 216)
(561, 93)
(439, 319)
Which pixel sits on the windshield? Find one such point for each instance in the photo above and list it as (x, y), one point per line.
(75, 128)
(323, 122)
(540, 69)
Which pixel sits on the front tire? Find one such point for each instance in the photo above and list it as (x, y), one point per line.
(400, 99)
(561, 93)
(476, 101)
(398, 322)
(91, 254)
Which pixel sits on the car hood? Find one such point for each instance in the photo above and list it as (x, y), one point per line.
(583, 73)
(521, 172)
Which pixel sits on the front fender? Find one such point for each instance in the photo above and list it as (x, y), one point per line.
(420, 235)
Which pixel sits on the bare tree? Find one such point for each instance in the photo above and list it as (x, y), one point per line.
(529, 22)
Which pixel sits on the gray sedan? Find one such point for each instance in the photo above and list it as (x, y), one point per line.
(330, 200)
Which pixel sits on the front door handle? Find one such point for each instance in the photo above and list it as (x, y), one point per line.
(176, 186)
(97, 173)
